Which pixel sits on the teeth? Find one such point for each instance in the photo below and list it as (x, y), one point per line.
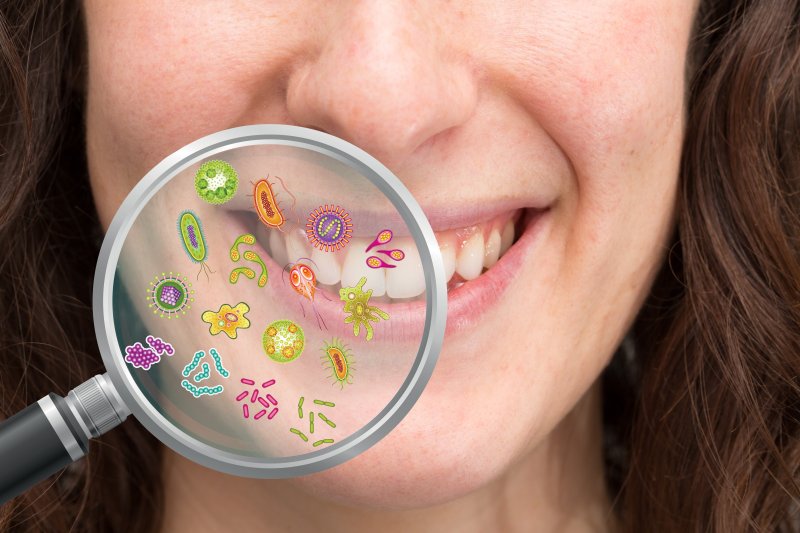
(355, 267)
(470, 260)
(492, 252)
(329, 271)
(447, 245)
(297, 245)
(407, 280)
(277, 247)
(463, 251)
(507, 238)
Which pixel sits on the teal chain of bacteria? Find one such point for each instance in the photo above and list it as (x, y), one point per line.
(203, 374)
(320, 416)
(202, 391)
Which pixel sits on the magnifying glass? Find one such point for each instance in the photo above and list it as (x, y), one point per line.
(269, 301)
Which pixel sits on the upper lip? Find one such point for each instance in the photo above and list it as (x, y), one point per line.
(441, 216)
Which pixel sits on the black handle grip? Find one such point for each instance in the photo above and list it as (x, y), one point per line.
(36, 443)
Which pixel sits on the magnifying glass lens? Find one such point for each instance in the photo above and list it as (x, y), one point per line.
(269, 300)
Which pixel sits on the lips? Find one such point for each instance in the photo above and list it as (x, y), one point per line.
(479, 259)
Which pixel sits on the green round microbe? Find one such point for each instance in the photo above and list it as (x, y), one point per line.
(283, 341)
(216, 182)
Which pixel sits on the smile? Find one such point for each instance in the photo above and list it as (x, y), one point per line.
(480, 261)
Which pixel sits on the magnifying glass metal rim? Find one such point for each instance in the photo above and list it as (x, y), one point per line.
(435, 297)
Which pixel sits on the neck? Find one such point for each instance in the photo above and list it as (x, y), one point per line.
(556, 486)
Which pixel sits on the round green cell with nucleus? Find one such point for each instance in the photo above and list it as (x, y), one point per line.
(283, 341)
(216, 182)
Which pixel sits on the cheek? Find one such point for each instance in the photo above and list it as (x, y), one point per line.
(161, 76)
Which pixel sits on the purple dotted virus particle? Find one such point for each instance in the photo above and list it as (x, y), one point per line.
(170, 295)
(329, 228)
(145, 357)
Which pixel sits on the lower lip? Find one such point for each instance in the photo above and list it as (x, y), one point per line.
(466, 304)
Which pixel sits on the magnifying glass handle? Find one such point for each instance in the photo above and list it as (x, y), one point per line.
(48, 435)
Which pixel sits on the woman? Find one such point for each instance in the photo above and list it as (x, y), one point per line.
(647, 149)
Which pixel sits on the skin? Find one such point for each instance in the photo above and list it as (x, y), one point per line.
(581, 103)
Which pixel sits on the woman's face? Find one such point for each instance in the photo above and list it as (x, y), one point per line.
(562, 116)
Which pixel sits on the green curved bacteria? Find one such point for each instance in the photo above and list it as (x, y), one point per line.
(216, 182)
(194, 242)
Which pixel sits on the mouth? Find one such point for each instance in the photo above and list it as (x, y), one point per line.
(481, 259)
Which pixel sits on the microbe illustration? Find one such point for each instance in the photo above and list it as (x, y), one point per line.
(283, 341)
(193, 240)
(228, 319)
(360, 313)
(338, 359)
(258, 405)
(170, 295)
(145, 357)
(204, 374)
(248, 255)
(304, 283)
(383, 237)
(216, 182)
(265, 201)
(311, 425)
(329, 228)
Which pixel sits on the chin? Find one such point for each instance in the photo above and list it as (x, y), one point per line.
(427, 460)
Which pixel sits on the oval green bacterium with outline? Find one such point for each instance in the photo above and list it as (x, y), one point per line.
(216, 182)
(194, 241)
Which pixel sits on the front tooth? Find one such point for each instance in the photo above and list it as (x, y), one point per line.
(277, 247)
(355, 267)
(507, 238)
(297, 245)
(470, 260)
(407, 279)
(329, 271)
(447, 245)
(492, 252)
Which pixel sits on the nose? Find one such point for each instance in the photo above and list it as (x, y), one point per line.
(385, 79)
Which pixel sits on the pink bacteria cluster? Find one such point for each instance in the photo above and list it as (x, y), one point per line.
(145, 357)
(262, 404)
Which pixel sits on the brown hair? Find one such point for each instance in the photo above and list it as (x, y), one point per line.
(712, 441)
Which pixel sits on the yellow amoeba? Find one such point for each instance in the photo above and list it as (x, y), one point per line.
(227, 319)
(356, 305)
